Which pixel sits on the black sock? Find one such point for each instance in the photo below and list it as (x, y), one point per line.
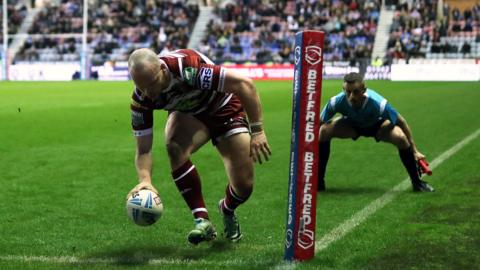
(324, 153)
(408, 160)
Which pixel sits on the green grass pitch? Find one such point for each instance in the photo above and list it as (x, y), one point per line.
(66, 164)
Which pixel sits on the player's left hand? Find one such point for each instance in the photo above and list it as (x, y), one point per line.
(259, 146)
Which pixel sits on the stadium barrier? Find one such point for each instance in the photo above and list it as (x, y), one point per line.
(43, 71)
(436, 70)
(416, 70)
(118, 71)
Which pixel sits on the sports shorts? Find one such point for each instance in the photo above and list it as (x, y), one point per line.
(370, 131)
(227, 121)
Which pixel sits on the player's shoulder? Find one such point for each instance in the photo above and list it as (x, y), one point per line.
(375, 101)
(137, 95)
(337, 100)
(181, 54)
(374, 96)
(177, 53)
(184, 59)
(139, 101)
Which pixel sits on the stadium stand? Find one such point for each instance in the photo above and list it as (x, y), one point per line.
(116, 27)
(17, 12)
(421, 30)
(248, 31)
(262, 32)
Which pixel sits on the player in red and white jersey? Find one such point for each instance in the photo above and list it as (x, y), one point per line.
(204, 102)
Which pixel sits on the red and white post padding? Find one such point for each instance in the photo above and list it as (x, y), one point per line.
(302, 185)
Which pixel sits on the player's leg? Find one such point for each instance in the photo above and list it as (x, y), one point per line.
(235, 152)
(338, 128)
(395, 135)
(184, 134)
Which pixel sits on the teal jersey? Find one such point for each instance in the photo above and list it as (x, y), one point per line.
(374, 109)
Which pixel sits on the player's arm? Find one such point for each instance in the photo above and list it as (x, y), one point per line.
(397, 119)
(143, 158)
(328, 112)
(244, 88)
(402, 123)
(142, 125)
(143, 163)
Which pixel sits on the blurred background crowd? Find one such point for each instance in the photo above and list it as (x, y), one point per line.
(248, 31)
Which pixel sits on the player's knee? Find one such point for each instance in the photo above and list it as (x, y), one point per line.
(175, 151)
(244, 186)
(325, 133)
(244, 190)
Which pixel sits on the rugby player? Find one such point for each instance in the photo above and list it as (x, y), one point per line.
(366, 113)
(205, 102)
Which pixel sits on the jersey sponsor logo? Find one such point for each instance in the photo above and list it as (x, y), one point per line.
(313, 54)
(189, 75)
(206, 78)
(137, 118)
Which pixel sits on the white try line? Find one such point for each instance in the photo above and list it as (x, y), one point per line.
(360, 216)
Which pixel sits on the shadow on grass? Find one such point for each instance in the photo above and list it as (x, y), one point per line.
(175, 254)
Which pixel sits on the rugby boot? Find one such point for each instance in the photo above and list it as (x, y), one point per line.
(422, 186)
(203, 231)
(231, 225)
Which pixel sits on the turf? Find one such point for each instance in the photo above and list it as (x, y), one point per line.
(66, 164)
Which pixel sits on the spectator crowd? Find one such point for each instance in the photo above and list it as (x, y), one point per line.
(245, 31)
(419, 30)
(262, 31)
(115, 28)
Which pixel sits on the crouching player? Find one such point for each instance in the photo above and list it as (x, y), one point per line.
(204, 102)
(366, 113)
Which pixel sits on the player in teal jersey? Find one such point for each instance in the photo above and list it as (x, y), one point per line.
(366, 113)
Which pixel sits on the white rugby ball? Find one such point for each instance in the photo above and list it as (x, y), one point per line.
(144, 207)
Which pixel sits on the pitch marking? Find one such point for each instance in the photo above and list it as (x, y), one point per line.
(360, 216)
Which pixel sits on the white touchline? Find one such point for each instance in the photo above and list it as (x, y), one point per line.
(380, 202)
(360, 216)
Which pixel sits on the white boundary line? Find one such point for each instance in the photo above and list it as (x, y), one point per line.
(321, 244)
(380, 202)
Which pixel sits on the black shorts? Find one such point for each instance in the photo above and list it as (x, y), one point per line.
(370, 131)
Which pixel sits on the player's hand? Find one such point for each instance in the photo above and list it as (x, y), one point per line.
(418, 155)
(259, 146)
(140, 186)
